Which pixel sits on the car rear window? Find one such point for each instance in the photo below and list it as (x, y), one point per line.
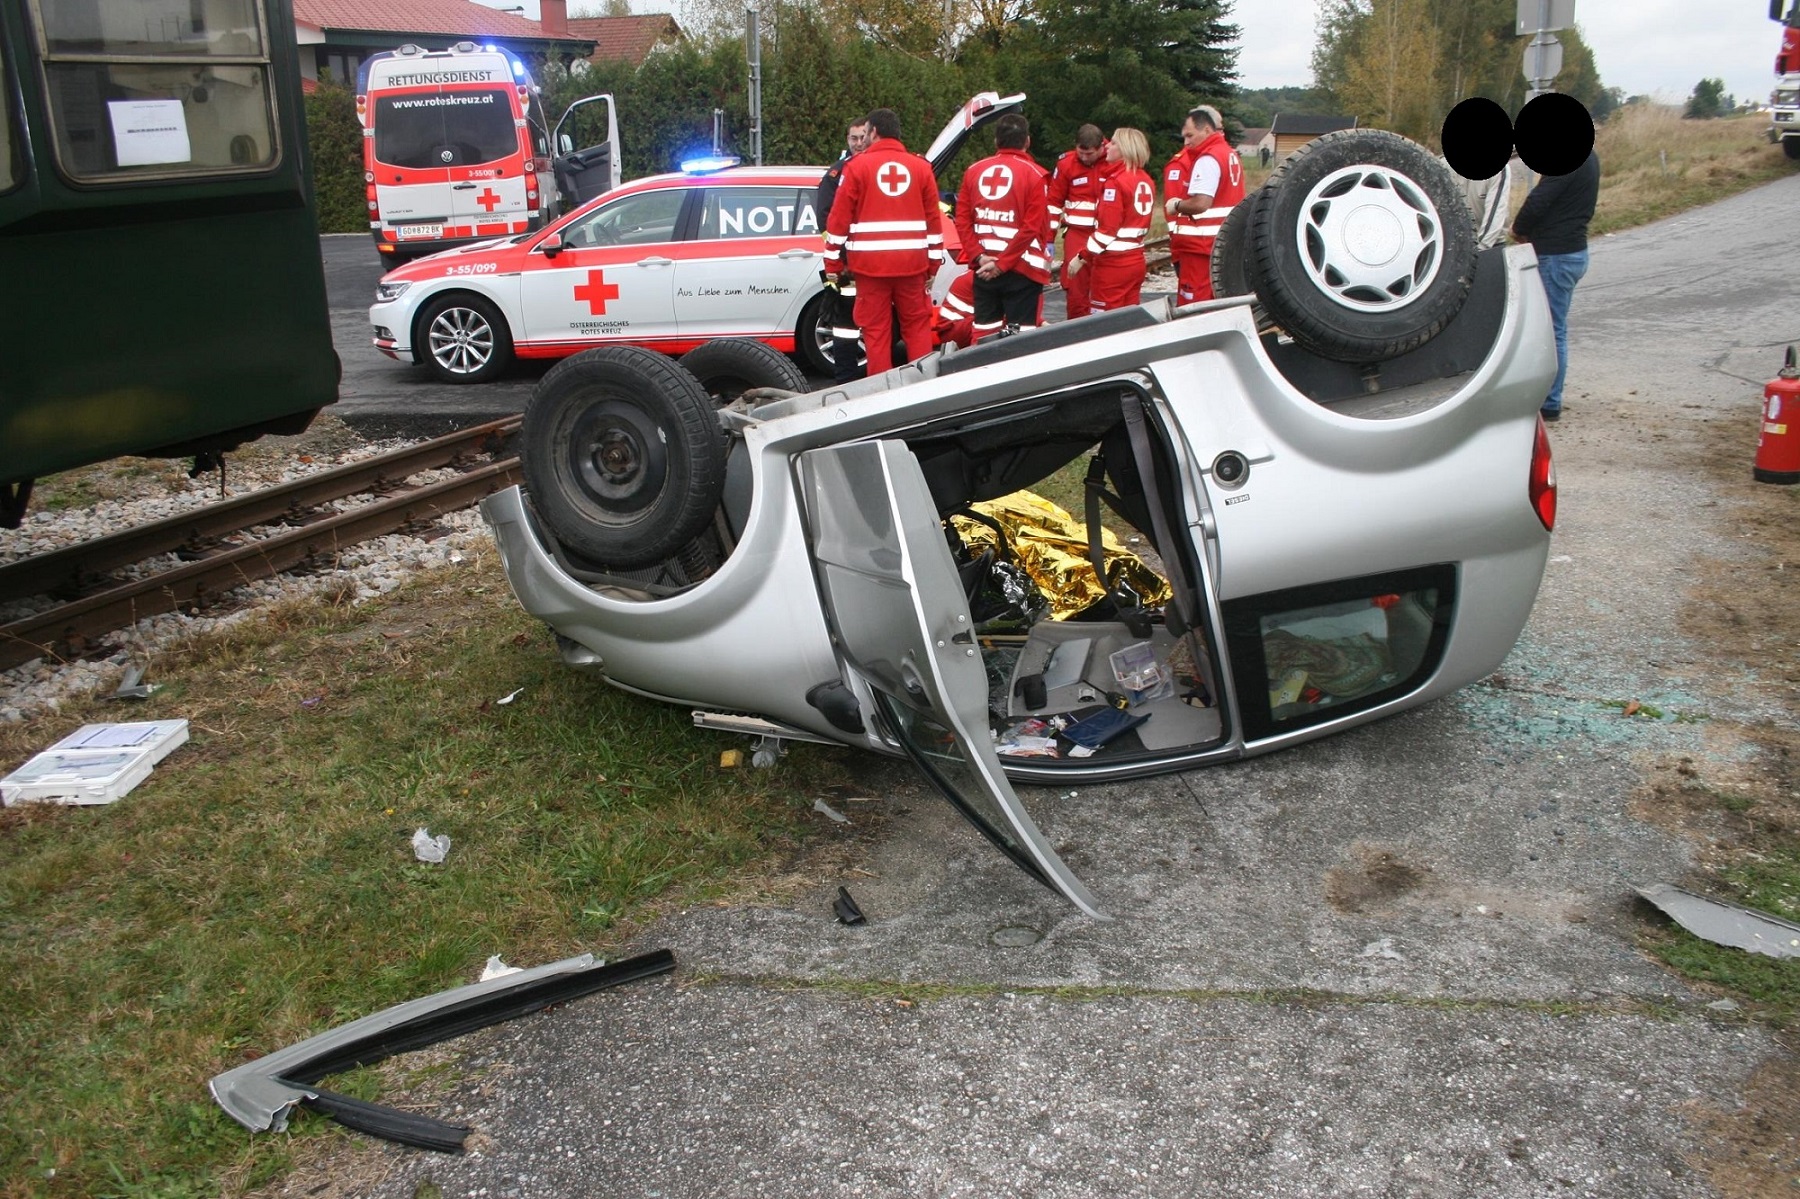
(439, 129)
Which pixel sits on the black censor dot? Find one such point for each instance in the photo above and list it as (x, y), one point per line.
(1554, 134)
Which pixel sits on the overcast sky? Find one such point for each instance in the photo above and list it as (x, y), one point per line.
(1650, 47)
(1644, 46)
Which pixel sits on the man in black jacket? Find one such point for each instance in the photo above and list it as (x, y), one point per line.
(846, 339)
(1554, 221)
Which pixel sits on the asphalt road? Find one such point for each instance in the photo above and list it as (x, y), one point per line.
(383, 398)
(1399, 962)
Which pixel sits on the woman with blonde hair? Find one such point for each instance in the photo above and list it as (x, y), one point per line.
(1115, 248)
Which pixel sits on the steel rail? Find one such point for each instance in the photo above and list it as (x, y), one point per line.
(76, 565)
(75, 624)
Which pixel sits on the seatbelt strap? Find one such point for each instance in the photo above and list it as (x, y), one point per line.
(1186, 605)
(1096, 484)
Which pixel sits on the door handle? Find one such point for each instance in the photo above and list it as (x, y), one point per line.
(656, 262)
(462, 187)
(797, 254)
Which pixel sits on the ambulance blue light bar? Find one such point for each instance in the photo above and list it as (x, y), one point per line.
(709, 164)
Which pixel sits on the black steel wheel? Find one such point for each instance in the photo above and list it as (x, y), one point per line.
(1363, 248)
(730, 366)
(622, 455)
(463, 339)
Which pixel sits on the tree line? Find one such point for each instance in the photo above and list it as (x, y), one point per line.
(1404, 64)
(1392, 64)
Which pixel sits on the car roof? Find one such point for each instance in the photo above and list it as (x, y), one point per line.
(784, 176)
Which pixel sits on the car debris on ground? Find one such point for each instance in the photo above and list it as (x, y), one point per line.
(261, 1094)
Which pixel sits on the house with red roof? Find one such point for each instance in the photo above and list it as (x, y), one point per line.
(338, 36)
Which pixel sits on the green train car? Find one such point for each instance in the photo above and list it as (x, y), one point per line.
(163, 291)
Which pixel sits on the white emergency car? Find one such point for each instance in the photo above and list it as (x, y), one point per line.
(667, 263)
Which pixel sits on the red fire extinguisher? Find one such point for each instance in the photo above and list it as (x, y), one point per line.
(1778, 445)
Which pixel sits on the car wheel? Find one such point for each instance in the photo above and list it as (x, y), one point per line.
(1791, 146)
(1230, 248)
(729, 367)
(465, 339)
(812, 337)
(622, 455)
(1363, 248)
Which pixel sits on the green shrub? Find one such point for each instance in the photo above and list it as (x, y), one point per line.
(334, 137)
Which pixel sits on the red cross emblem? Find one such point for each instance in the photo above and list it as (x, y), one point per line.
(1143, 198)
(487, 199)
(995, 182)
(893, 179)
(597, 291)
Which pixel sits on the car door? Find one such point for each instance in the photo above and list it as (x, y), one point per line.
(612, 280)
(893, 600)
(753, 261)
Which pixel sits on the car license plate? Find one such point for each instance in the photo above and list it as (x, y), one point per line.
(409, 232)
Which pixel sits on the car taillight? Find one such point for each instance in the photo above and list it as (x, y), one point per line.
(1542, 488)
(374, 206)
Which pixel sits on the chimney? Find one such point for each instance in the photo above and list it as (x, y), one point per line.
(553, 17)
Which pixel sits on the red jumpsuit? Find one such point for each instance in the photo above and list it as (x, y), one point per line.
(1115, 253)
(1001, 213)
(886, 228)
(955, 323)
(1074, 190)
(1195, 232)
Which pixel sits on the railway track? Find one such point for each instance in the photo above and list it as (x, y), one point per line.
(93, 603)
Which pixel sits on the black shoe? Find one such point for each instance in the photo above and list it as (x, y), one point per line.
(1550, 415)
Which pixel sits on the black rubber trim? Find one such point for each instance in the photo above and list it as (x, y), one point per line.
(442, 1025)
(454, 1021)
(404, 1128)
(1047, 337)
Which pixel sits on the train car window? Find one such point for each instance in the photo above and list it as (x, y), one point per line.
(11, 159)
(201, 108)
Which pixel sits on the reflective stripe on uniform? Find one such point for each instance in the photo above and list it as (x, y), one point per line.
(866, 246)
(886, 227)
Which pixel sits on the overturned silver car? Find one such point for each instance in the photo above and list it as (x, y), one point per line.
(1340, 483)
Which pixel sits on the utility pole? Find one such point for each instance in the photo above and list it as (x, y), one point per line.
(753, 47)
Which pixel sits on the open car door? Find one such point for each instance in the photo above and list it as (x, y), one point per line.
(980, 110)
(896, 606)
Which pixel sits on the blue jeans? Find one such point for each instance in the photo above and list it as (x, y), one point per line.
(1560, 273)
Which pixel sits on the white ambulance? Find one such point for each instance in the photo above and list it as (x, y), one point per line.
(455, 148)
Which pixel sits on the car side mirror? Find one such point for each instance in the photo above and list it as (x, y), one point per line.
(552, 245)
(566, 144)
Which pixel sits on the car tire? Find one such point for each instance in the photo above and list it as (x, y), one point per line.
(622, 455)
(1363, 248)
(463, 339)
(812, 337)
(1230, 276)
(1791, 146)
(729, 367)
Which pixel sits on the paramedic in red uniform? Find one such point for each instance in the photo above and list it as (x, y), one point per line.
(1215, 182)
(955, 322)
(885, 228)
(1114, 258)
(1004, 224)
(1074, 190)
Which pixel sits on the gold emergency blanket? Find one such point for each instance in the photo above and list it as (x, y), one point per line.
(1052, 547)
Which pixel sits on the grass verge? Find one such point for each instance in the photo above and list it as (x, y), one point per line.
(260, 886)
(1654, 164)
